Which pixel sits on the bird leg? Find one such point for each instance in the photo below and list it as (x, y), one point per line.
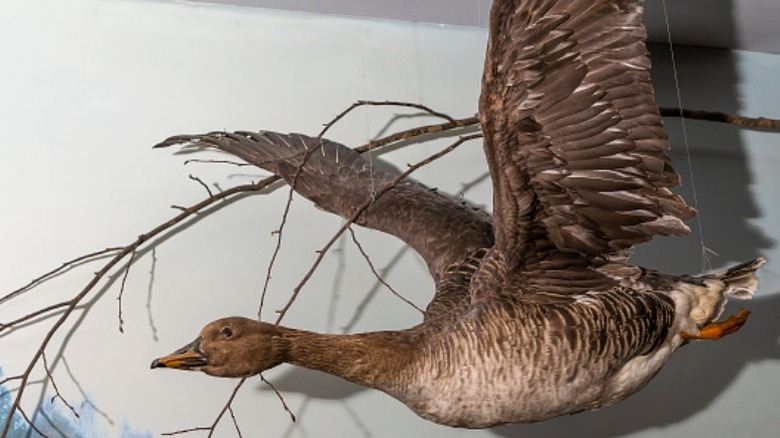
(717, 330)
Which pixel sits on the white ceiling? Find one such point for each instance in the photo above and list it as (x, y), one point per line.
(735, 24)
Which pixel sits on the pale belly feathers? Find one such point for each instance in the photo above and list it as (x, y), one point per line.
(524, 372)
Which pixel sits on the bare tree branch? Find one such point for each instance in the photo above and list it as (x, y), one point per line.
(27, 420)
(294, 181)
(369, 296)
(9, 379)
(360, 103)
(321, 253)
(33, 315)
(221, 414)
(231, 162)
(57, 393)
(122, 290)
(59, 270)
(279, 395)
(715, 116)
(83, 393)
(758, 122)
(204, 185)
(377, 275)
(235, 422)
(279, 232)
(149, 289)
(421, 131)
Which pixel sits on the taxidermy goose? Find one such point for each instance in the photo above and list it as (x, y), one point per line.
(536, 312)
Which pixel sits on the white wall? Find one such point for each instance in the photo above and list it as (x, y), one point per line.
(86, 87)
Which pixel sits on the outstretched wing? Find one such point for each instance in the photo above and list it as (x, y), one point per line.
(573, 137)
(340, 180)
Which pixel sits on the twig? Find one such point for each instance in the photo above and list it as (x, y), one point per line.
(26, 419)
(279, 395)
(758, 122)
(377, 275)
(122, 291)
(221, 414)
(415, 133)
(32, 315)
(360, 103)
(235, 422)
(279, 232)
(9, 379)
(321, 253)
(188, 430)
(299, 427)
(57, 393)
(199, 160)
(149, 289)
(205, 186)
(418, 106)
(34, 282)
(715, 116)
(83, 393)
(369, 295)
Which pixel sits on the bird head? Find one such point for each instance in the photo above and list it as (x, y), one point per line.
(229, 347)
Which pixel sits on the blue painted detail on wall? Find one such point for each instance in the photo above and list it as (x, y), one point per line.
(54, 419)
(18, 427)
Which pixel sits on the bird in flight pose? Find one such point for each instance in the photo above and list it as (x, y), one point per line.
(537, 312)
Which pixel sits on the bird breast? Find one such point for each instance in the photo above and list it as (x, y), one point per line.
(523, 362)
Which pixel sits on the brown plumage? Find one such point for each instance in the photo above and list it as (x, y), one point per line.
(536, 311)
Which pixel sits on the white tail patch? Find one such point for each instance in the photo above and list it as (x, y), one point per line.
(744, 290)
(741, 281)
(700, 304)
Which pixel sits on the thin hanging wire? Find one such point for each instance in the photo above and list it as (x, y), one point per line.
(706, 264)
(370, 152)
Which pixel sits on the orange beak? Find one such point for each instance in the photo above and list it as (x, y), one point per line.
(188, 357)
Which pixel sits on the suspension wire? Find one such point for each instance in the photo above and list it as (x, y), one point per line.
(706, 263)
(366, 109)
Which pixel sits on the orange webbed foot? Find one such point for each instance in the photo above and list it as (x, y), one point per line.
(717, 330)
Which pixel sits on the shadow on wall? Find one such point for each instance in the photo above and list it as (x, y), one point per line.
(718, 166)
(717, 30)
(691, 381)
(685, 386)
(700, 372)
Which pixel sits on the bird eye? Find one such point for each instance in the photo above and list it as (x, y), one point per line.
(226, 332)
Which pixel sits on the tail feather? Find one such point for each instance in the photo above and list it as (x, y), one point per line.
(705, 297)
(741, 281)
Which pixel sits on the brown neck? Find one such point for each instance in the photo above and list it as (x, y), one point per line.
(378, 360)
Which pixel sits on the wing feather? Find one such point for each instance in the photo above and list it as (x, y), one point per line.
(339, 180)
(573, 137)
